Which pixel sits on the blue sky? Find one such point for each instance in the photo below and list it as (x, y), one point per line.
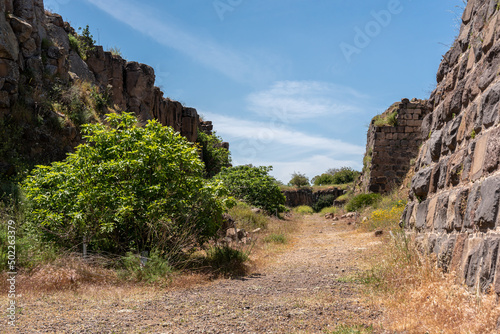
(288, 83)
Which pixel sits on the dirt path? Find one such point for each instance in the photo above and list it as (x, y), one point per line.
(303, 290)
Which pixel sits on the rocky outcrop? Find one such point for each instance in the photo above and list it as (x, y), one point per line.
(36, 53)
(306, 196)
(391, 148)
(455, 192)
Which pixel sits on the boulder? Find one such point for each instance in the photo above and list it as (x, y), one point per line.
(9, 45)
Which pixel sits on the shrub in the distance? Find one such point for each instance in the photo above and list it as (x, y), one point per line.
(323, 179)
(129, 188)
(361, 201)
(299, 180)
(253, 185)
(304, 209)
(343, 175)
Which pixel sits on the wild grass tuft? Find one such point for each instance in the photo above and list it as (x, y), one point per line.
(245, 218)
(277, 238)
(304, 210)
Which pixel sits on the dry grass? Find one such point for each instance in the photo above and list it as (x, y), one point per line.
(419, 298)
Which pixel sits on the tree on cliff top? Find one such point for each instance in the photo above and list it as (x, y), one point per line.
(129, 188)
(299, 180)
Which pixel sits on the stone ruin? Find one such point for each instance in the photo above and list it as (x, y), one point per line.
(451, 145)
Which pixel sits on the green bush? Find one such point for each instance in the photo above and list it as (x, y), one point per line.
(244, 217)
(156, 268)
(323, 179)
(389, 119)
(362, 200)
(331, 209)
(344, 175)
(323, 202)
(253, 185)
(227, 260)
(304, 209)
(214, 155)
(299, 180)
(129, 188)
(276, 238)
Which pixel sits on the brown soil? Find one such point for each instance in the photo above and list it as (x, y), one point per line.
(307, 288)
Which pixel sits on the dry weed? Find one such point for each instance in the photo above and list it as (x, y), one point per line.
(419, 298)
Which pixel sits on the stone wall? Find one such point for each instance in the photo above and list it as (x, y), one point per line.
(391, 149)
(34, 45)
(455, 194)
(306, 196)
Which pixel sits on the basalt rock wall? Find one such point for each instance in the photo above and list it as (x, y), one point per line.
(455, 193)
(35, 53)
(306, 196)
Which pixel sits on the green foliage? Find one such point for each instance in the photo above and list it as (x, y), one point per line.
(299, 180)
(128, 188)
(362, 200)
(227, 260)
(323, 179)
(330, 209)
(389, 119)
(74, 44)
(277, 238)
(323, 202)
(82, 43)
(46, 43)
(343, 175)
(115, 51)
(214, 155)
(473, 134)
(244, 217)
(304, 210)
(253, 185)
(155, 268)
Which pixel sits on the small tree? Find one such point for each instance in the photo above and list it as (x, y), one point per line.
(299, 180)
(213, 154)
(343, 175)
(254, 185)
(323, 179)
(127, 188)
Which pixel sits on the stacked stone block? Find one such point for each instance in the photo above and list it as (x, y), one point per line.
(392, 148)
(455, 193)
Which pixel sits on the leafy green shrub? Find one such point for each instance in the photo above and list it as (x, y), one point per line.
(389, 119)
(214, 155)
(304, 210)
(276, 238)
(244, 217)
(345, 175)
(331, 209)
(253, 185)
(154, 269)
(115, 51)
(323, 179)
(362, 200)
(227, 260)
(299, 180)
(323, 202)
(128, 188)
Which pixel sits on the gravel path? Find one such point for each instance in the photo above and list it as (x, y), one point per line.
(303, 290)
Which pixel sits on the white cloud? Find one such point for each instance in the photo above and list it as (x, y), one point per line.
(299, 100)
(287, 150)
(262, 135)
(237, 66)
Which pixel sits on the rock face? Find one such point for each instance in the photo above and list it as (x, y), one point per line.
(35, 51)
(391, 149)
(455, 192)
(305, 196)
